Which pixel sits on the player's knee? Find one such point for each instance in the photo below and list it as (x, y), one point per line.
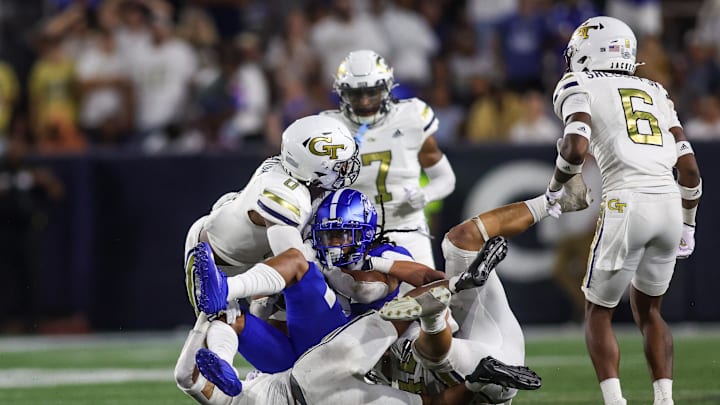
(465, 236)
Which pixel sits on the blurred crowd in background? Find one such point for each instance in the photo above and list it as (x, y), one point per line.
(187, 76)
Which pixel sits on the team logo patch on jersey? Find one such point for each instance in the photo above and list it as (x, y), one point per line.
(321, 146)
(616, 205)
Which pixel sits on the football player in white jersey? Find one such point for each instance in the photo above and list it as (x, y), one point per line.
(397, 143)
(631, 128)
(318, 153)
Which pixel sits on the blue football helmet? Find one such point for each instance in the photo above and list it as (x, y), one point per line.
(344, 227)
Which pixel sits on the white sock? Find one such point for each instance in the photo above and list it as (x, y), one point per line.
(611, 392)
(537, 207)
(663, 389)
(434, 324)
(222, 340)
(260, 279)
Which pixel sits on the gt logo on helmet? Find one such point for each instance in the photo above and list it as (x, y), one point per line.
(583, 30)
(318, 148)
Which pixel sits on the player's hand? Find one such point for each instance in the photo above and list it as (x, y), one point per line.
(687, 242)
(415, 197)
(552, 199)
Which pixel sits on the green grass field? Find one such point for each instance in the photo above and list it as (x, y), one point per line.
(137, 369)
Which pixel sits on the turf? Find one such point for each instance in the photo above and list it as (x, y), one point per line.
(568, 377)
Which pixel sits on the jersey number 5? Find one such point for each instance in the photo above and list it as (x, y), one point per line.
(384, 158)
(633, 118)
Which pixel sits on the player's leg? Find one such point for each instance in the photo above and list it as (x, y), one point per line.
(649, 285)
(187, 376)
(213, 289)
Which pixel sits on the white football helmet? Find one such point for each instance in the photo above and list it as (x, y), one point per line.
(364, 81)
(602, 43)
(320, 151)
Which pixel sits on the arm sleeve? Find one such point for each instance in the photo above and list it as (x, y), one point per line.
(441, 180)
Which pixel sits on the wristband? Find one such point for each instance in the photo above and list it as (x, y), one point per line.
(690, 193)
(578, 128)
(683, 148)
(567, 167)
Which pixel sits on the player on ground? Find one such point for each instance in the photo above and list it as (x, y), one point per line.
(346, 356)
(631, 128)
(344, 235)
(396, 144)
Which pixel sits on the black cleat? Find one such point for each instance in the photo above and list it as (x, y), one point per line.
(476, 275)
(493, 371)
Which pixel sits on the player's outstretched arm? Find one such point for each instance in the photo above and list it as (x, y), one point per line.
(690, 185)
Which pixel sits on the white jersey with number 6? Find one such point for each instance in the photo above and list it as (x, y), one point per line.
(631, 121)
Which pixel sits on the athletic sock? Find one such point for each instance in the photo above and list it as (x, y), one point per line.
(222, 340)
(260, 279)
(537, 207)
(611, 392)
(434, 324)
(663, 390)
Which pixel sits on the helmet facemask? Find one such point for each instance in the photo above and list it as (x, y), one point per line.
(344, 228)
(364, 84)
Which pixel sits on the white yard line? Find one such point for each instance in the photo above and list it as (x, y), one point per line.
(35, 377)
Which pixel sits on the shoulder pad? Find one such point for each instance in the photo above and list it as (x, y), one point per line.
(570, 83)
(283, 200)
(426, 115)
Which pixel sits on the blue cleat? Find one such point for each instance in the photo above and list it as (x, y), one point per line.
(491, 254)
(218, 372)
(211, 289)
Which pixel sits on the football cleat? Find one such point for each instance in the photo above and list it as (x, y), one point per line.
(476, 275)
(211, 289)
(432, 301)
(218, 372)
(492, 371)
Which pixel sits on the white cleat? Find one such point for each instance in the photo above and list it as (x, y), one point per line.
(431, 302)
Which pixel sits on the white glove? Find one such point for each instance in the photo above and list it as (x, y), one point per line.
(416, 197)
(687, 242)
(552, 199)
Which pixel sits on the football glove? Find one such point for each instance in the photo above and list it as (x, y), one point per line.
(416, 197)
(687, 242)
(552, 199)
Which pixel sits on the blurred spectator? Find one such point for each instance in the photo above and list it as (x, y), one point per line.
(521, 41)
(411, 39)
(449, 114)
(643, 16)
(493, 112)
(708, 22)
(289, 55)
(9, 94)
(656, 61)
(227, 15)
(105, 94)
(345, 30)
(251, 96)
(706, 124)
(563, 17)
(535, 126)
(197, 29)
(24, 192)
(53, 100)
(465, 62)
(161, 72)
(485, 15)
(698, 72)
